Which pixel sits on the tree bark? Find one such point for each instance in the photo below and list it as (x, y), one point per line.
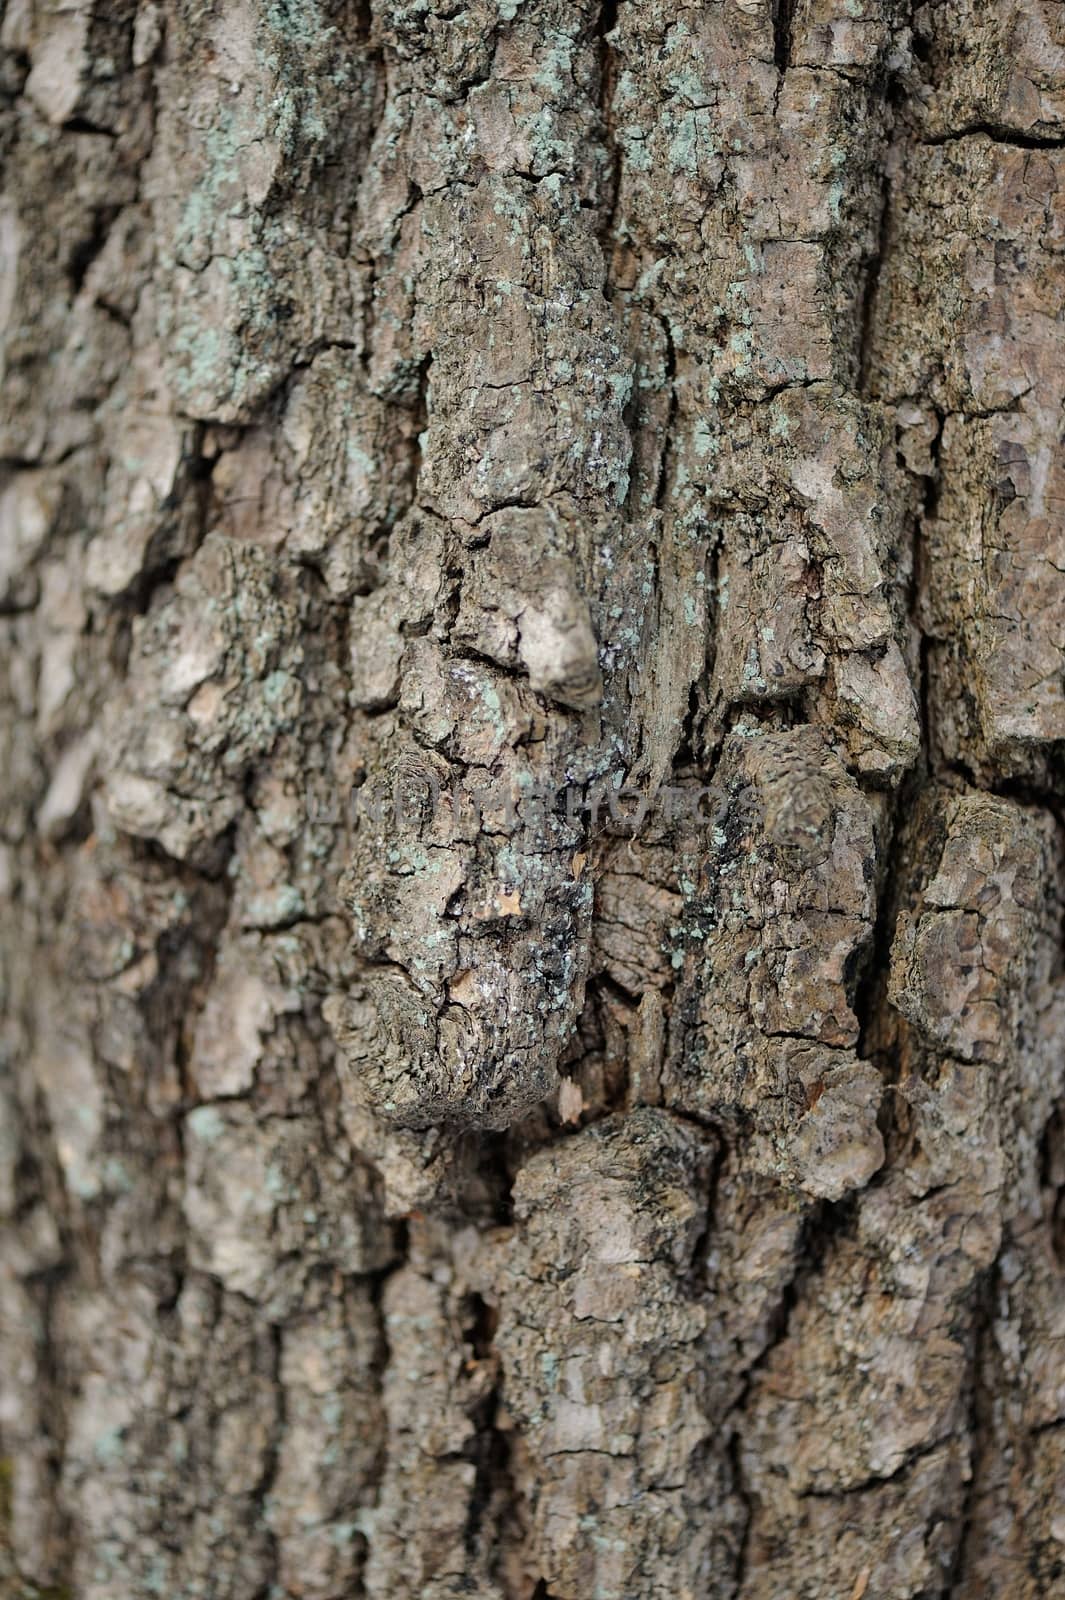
(532, 581)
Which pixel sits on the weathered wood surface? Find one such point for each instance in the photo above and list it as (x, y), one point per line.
(423, 1171)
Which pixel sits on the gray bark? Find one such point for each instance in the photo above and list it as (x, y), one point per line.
(532, 584)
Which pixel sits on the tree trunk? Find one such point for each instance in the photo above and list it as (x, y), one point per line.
(532, 583)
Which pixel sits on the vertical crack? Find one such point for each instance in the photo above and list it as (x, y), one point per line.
(926, 513)
(608, 73)
(871, 285)
(420, 424)
(490, 1449)
(980, 1421)
(783, 15)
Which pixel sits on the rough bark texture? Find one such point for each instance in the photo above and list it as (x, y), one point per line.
(424, 1172)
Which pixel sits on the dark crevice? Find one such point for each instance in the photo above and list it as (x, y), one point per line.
(607, 20)
(517, 502)
(927, 512)
(490, 1449)
(35, 462)
(686, 758)
(874, 1481)
(662, 486)
(783, 17)
(362, 11)
(980, 1424)
(873, 965)
(375, 62)
(378, 1283)
(998, 134)
(86, 251)
(894, 102)
(609, 985)
(260, 1496)
(699, 1276)
(826, 1222)
(870, 287)
(1052, 1180)
(83, 125)
(739, 1488)
(494, 1168)
(608, 75)
(1024, 791)
(183, 524)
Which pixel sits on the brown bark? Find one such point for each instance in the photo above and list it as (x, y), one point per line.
(531, 715)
